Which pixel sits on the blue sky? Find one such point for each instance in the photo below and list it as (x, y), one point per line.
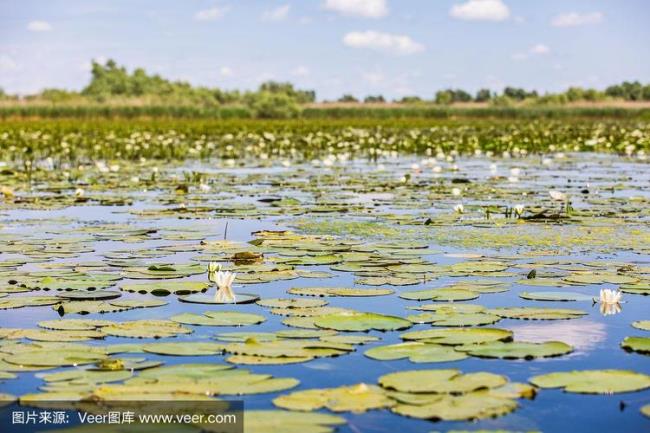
(392, 47)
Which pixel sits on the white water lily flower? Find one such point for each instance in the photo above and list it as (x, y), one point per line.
(224, 280)
(519, 209)
(610, 297)
(213, 267)
(459, 208)
(557, 195)
(455, 191)
(79, 192)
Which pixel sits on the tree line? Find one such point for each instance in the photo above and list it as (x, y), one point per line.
(113, 84)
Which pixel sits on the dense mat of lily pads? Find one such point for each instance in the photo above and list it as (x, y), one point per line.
(327, 289)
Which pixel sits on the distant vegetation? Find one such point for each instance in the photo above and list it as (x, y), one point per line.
(114, 91)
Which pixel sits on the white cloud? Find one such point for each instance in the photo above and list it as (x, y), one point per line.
(399, 44)
(300, 71)
(39, 26)
(211, 14)
(573, 19)
(225, 71)
(539, 49)
(278, 14)
(358, 8)
(7, 63)
(480, 10)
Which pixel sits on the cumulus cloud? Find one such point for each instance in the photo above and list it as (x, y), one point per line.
(39, 26)
(278, 14)
(399, 44)
(574, 19)
(480, 10)
(358, 8)
(211, 14)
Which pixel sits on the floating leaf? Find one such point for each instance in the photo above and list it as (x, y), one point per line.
(355, 398)
(459, 336)
(594, 381)
(534, 313)
(555, 296)
(440, 381)
(338, 291)
(218, 318)
(442, 295)
(415, 352)
(358, 321)
(637, 344)
(517, 350)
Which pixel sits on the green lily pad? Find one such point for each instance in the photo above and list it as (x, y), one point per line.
(459, 336)
(642, 324)
(454, 319)
(359, 321)
(291, 303)
(218, 318)
(146, 329)
(415, 351)
(594, 381)
(442, 295)
(479, 405)
(189, 348)
(637, 344)
(165, 288)
(338, 291)
(534, 313)
(199, 298)
(355, 398)
(555, 296)
(440, 381)
(518, 350)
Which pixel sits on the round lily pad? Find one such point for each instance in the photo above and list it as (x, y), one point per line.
(218, 318)
(146, 329)
(459, 336)
(358, 321)
(415, 351)
(594, 381)
(517, 350)
(642, 324)
(338, 291)
(534, 313)
(637, 344)
(479, 405)
(355, 398)
(440, 381)
(189, 348)
(199, 298)
(84, 295)
(555, 296)
(291, 303)
(442, 295)
(165, 288)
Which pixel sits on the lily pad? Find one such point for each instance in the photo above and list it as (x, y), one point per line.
(415, 351)
(534, 313)
(594, 381)
(440, 381)
(355, 398)
(442, 295)
(517, 350)
(358, 321)
(637, 344)
(459, 336)
(555, 296)
(338, 291)
(218, 318)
